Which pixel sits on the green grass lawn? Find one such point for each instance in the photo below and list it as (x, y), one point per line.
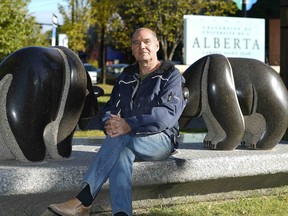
(107, 92)
(97, 133)
(274, 203)
(265, 202)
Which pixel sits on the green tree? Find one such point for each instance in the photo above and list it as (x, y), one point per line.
(102, 12)
(18, 29)
(165, 17)
(76, 23)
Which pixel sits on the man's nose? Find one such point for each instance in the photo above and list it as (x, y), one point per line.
(142, 45)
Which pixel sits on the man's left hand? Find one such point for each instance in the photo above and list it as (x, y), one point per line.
(116, 126)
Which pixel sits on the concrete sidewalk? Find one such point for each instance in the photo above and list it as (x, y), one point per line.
(28, 188)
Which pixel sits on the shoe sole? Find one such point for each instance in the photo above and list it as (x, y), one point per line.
(55, 211)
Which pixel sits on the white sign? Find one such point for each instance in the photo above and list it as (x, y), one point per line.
(229, 36)
(63, 40)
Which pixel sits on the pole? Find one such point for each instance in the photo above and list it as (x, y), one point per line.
(284, 45)
(244, 8)
(244, 11)
(54, 26)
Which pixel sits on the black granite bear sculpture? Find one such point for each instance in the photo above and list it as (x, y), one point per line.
(241, 101)
(43, 94)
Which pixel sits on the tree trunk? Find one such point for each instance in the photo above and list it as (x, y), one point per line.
(102, 61)
(174, 46)
(164, 49)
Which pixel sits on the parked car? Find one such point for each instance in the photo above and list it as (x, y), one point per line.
(94, 73)
(113, 71)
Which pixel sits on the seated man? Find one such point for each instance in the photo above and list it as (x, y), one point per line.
(141, 123)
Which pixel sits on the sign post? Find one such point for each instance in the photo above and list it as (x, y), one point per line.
(244, 5)
(54, 26)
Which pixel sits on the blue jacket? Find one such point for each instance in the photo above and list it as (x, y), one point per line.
(149, 106)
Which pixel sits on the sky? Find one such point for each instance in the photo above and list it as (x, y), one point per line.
(43, 10)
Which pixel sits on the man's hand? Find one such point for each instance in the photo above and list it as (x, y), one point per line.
(116, 126)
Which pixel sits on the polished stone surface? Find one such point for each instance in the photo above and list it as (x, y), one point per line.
(241, 100)
(43, 94)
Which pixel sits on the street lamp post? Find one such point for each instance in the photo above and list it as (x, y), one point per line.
(54, 26)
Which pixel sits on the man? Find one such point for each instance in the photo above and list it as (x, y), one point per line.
(141, 123)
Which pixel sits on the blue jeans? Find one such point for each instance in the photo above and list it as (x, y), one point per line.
(114, 160)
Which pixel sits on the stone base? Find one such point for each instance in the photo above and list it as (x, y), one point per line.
(31, 187)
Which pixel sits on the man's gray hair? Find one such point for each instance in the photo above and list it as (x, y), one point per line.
(142, 28)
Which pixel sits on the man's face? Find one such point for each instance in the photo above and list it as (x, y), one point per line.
(145, 45)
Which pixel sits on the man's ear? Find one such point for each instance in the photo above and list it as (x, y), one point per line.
(158, 46)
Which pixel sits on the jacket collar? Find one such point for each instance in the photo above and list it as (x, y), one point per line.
(165, 66)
